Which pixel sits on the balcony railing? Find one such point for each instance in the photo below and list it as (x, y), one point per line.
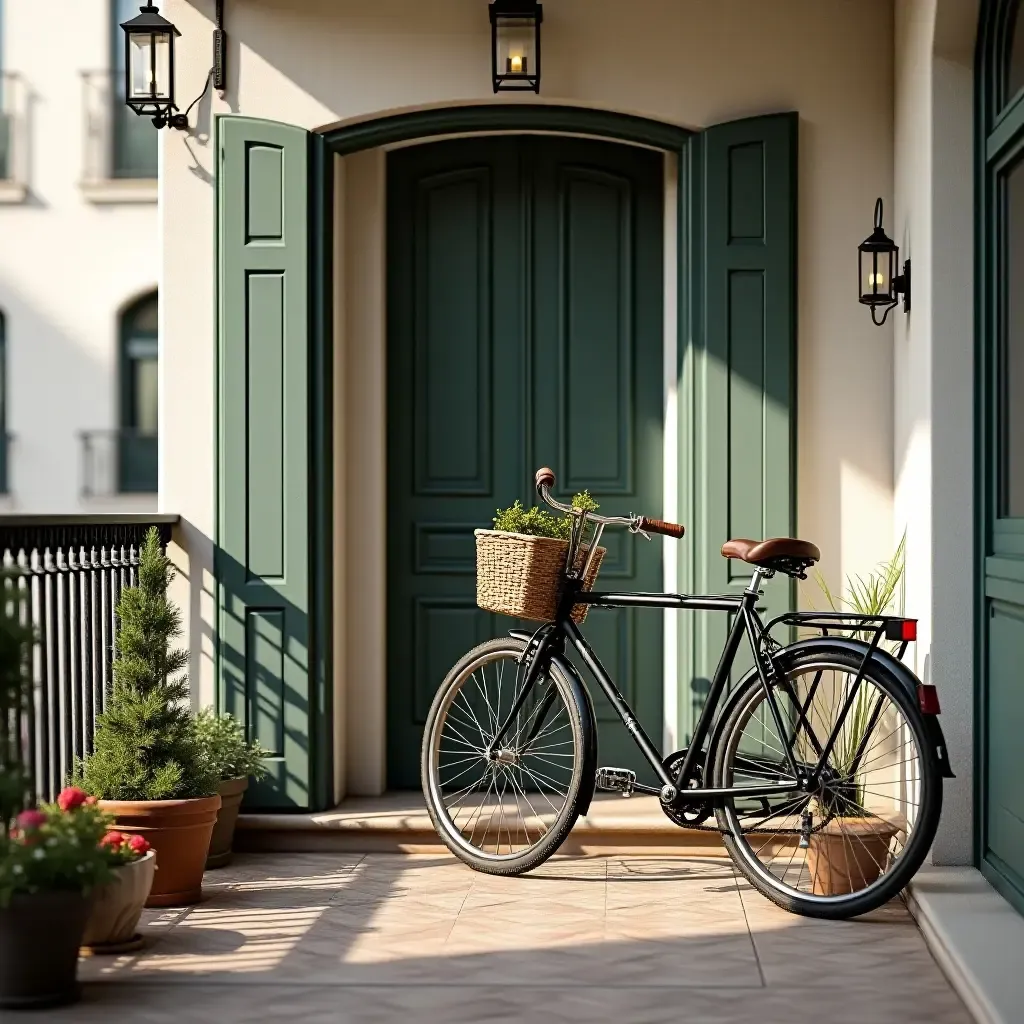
(72, 571)
(118, 143)
(122, 461)
(13, 132)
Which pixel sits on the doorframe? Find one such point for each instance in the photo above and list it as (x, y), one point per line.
(333, 141)
(998, 130)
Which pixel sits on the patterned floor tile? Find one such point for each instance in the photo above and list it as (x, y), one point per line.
(383, 938)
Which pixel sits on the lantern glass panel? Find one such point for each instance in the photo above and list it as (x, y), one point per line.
(150, 56)
(876, 274)
(517, 49)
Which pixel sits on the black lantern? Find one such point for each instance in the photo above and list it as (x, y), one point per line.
(878, 264)
(149, 67)
(515, 45)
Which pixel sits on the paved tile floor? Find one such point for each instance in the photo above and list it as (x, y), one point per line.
(321, 937)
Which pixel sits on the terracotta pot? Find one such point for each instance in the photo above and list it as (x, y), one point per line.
(231, 792)
(848, 854)
(39, 938)
(179, 832)
(117, 906)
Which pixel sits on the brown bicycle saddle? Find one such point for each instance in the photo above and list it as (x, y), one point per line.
(785, 554)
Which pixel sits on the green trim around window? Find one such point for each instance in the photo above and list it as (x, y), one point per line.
(999, 542)
(137, 444)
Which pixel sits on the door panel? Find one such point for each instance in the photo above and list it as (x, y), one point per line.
(743, 430)
(264, 487)
(524, 302)
(597, 357)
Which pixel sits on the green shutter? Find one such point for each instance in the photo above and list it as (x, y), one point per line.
(743, 428)
(266, 652)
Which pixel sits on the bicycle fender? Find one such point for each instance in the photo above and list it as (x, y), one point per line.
(586, 706)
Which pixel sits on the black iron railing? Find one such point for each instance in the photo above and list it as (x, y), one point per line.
(72, 570)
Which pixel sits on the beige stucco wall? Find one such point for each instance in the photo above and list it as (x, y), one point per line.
(933, 382)
(684, 61)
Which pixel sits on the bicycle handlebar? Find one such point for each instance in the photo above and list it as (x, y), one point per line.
(545, 480)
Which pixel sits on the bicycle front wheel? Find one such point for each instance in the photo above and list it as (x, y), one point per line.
(506, 812)
(855, 841)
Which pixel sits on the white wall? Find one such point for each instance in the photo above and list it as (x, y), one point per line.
(934, 383)
(67, 264)
(682, 61)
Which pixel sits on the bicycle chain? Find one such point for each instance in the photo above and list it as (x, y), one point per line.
(705, 809)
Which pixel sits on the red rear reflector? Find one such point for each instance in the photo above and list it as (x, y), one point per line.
(908, 629)
(927, 699)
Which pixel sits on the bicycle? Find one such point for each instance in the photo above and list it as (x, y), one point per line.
(820, 814)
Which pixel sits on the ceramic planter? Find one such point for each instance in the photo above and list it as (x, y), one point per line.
(848, 854)
(179, 832)
(117, 906)
(39, 938)
(231, 792)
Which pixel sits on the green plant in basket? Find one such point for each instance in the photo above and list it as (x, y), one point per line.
(538, 522)
(879, 593)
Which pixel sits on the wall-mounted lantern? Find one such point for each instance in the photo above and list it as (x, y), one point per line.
(515, 45)
(880, 283)
(149, 66)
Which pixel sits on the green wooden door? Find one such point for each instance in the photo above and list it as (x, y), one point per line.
(266, 644)
(1000, 350)
(524, 327)
(738, 417)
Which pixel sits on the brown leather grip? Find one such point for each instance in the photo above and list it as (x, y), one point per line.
(658, 526)
(545, 478)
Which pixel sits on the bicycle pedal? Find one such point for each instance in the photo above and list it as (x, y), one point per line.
(616, 780)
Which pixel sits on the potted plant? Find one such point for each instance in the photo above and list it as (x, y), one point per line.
(117, 904)
(234, 760)
(50, 861)
(147, 766)
(838, 866)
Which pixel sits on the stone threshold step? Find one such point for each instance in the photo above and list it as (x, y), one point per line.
(398, 823)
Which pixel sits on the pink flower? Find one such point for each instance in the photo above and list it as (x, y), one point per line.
(91, 801)
(71, 798)
(29, 821)
(113, 840)
(138, 845)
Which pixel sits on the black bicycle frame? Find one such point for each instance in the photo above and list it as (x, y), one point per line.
(550, 640)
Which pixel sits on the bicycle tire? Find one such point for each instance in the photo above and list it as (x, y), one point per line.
(891, 882)
(580, 725)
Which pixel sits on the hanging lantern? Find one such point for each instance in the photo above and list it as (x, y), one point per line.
(515, 45)
(880, 282)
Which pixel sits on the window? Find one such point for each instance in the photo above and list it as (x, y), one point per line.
(137, 458)
(134, 138)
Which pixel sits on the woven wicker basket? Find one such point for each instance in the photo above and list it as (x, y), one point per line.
(520, 575)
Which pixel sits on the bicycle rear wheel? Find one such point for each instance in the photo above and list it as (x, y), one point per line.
(506, 813)
(857, 840)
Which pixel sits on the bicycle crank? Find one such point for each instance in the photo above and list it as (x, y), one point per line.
(694, 814)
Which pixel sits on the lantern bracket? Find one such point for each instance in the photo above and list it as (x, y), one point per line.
(901, 286)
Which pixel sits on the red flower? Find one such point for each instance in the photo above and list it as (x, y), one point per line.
(113, 840)
(29, 821)
(71, 798)
(138, 845)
